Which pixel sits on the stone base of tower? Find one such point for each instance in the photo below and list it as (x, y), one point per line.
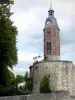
(62, 75)
(54, 58)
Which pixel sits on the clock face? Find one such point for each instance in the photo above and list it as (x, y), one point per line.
(48, 22)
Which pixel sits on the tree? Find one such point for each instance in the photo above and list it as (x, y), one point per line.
(19, 79)
(8, 77)
(11, 78)
(45, 85)
(10, 86)
(26, 75)
(8, 33)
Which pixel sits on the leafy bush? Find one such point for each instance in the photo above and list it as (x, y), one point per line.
(7, 91)
(19, 92)
(45, 85)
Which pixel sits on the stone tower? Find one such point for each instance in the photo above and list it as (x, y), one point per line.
(51, 37)
(61, 73)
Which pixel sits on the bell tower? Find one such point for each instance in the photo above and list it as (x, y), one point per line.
(51, 37)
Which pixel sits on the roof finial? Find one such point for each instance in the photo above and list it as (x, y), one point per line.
(51, 5)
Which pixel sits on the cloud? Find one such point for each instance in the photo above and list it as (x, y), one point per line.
(18, 71)
(25, 60)
(27, 57)
(29, 16)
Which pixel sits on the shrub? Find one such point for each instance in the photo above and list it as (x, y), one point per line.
(19, 92)
(45, 85)
(7, 91)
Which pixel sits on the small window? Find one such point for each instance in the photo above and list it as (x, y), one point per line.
(48, 33)
(48, 46)
(54, 47)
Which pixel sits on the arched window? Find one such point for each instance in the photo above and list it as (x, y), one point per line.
(48, 46)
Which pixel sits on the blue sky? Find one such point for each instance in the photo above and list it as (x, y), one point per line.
(29, 18)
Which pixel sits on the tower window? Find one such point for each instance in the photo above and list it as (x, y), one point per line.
(48, 33)
(54, 47)
(48, 46)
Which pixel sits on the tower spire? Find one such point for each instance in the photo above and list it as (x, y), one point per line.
(51, 5)
(50, 11)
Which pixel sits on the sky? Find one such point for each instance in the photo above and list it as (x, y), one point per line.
(29, 18)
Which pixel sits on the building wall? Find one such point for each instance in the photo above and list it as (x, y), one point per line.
(62, 75)
(50, 96)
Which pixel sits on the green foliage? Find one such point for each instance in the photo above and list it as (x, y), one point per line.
(11, 77)
(7, 76)
(26, 75)
(7, 91)
(8, 88)
(6, 1)
(19, 92)
(8, 33)
(4, 90)
(19, 79)
(45, 85)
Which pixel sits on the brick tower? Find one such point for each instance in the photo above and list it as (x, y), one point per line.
(51, 37)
